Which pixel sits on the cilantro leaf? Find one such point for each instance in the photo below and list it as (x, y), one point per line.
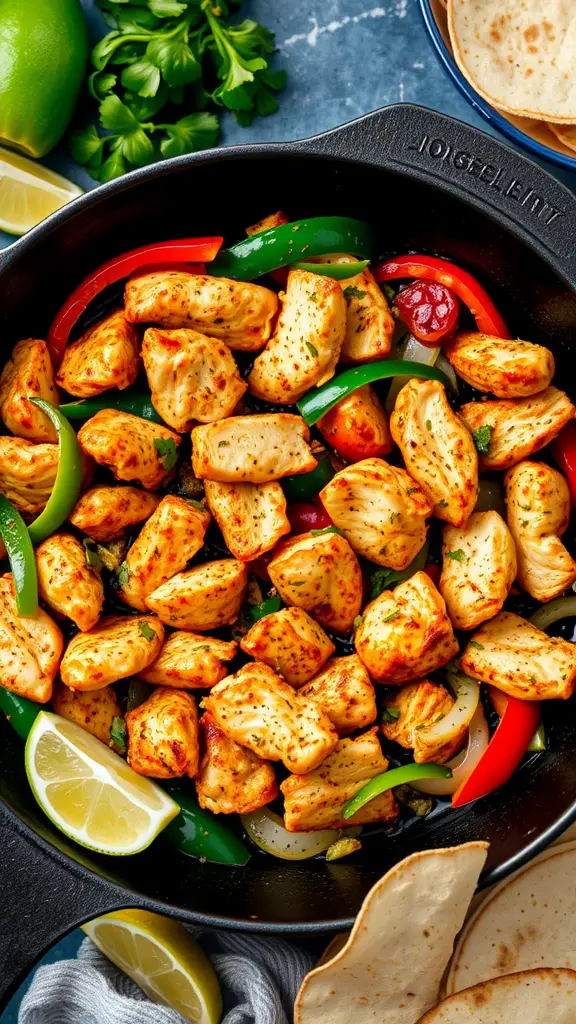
(175, 60)
(124, 574)
(113, 167)
(86, 144)
(100, 83)
(167, 451)
(118, 733)
(167, 8)
(148, 633)
(482, 438)
(457, 556)
(474, 643)
(383, 578)
(326, 529)
(390, 714)
(191, 133)
(116, 116)
(142, 77)
(352, 291)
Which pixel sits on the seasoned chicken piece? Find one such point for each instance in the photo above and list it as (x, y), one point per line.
(66, 583)
(381, 511)
(519, 427)
(292, 642)
(538, 510)
(164, 736)
(305, 346)
(506, 368)
(93, 711)
(27, 474)
(231, 779)
(260, 711)
(321, 575)
(369, 322)
(190, 661)
(164, 546)
(106, 356)
(421, 705)
(252, 517)
(316, 800)
(30, 649)
(191, 377)
(133, 448)
(405, 633)
(478, 569)
(118, 647)
(28, 374)
(437, 449)
(252, 449)
(205, 597)
(344, 691)
(511, 654)
(104, 513)
(238, 312)
(357, 426)
(273, 220)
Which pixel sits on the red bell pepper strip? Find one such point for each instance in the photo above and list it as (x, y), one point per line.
(192, 251)
(304, 518)
(506, 749)
(564, 455)
(466, 287)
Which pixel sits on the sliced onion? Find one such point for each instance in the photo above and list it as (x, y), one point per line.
(466, 696)
(465, 761)
(445, 365)
(266, 830)
(490, 498)
(548, 614)
(413, 350)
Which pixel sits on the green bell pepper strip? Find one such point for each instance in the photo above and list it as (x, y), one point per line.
(14, 533)
(320, 400)
(132, 402)
(198, 833)
(20, 711)
(337, 271)
(305, 486)
(539, 741)
(68, 477)
(396, 777)
(288, 243)
(271, 604)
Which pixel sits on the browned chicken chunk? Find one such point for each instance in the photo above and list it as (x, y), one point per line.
(28, 374)
(205, 597)
(252, 449)
(273, 220)
(133, 448)
(316, 800)
(421, 705)
(291, 642)
(118, 647)
(321, 575)
(405, 633)
(238, 312)
(369, 322)
(252, 517)
(66, 583)
(192, 378)
(93, 710)
(260, 711)
(344, 691)
(163, 735)
(106, 356)
(27, 474)
(510, 653)
(166, 543)
(30, 649)
(507, 369)
(104, 513)
(231, 779)
(478, 569)
(190, 661)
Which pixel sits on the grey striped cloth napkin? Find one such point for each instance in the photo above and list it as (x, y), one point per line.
(259, 976)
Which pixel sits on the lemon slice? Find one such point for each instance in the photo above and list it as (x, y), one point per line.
(163, 959)
(89, 792)
(29, 192)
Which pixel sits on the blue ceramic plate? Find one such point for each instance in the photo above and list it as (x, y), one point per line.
(534, 136)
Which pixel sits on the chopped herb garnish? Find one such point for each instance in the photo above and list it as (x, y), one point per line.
(394, 516)
(167, 451)
(482, 438)
(298, 583)
(412, 490)
(124, 574)
(527, 508)
(223, 444)
(474, 643)
(442, 504)
(148, 633)
(390, 714)
(93, 560)
(312, 349)
(118, 734)
(326, 529)
(383, 578)
(428, 424)
(358, 621)
(457, 556)
(392, 616)
(352, 292)
(196, 504)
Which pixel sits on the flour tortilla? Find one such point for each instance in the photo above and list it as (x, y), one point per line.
(519, 55)
(566, 133)
(391, 966)
(525, 922)
(530, 997)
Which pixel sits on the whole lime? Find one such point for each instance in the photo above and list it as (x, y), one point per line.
(43, 54)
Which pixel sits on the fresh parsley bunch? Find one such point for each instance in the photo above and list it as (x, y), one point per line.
(160, 75)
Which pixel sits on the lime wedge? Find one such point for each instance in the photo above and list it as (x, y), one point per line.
(29, 192)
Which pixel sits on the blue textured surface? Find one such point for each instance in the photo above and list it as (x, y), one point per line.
(344, 58)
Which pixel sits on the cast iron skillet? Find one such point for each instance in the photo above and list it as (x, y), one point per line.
(426, 183)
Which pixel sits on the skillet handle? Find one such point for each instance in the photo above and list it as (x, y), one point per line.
(41, 901)
(457, 158)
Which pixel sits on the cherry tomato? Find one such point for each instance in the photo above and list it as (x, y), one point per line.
(429, 310)
(304, 517)
(357, 428)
